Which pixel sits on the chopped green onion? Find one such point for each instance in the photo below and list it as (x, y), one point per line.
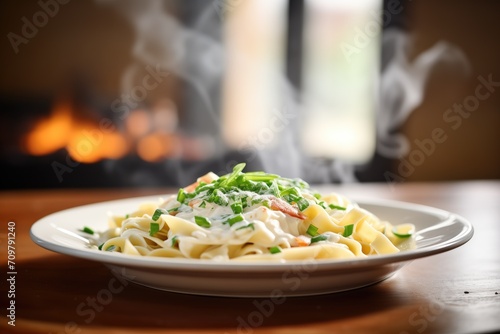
(312, 230)
(173, 209)
(317, 196)
(318, 238)
(174, 240)
(333, 206)
(232, 177)
(256, 200)
(260, 176)
(246, 226)
(100, 246)
(302, 204)
(235, 219)
(403, 230)
(157, 214)
(348, 229)
(110, 248)
(87, 230)
(237, 207)
(244, 201)
(153, 228)
(181, 196)
(127, 216)
(275, 250)
(200, 186)
(291, 191)
(202, 221)
(275, 189)
(203, 205)
(204, 187)
(219, 198)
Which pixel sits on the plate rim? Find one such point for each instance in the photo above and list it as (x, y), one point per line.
(208, 265)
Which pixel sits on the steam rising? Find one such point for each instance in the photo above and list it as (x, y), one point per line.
(193, 55)
(403, 84)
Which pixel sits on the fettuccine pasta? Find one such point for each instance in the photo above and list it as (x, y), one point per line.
(253, 216)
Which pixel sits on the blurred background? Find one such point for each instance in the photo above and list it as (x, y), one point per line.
(155, 93)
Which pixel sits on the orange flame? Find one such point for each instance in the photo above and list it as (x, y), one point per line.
(52, 133)
(156, 147)
(85, 141)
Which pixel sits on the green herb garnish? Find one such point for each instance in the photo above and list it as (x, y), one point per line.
(237, 207)
(312, 230)
(333, 206)
(348, 229)
(181, 196)
(275, 250)
(302, 204)
(173, 209)
(234, 219)
(157, 214)
(174, 240)
(88, 230)
(153, 228)
(318, 238)
(232, 177)
(246, 226)
(202, 221)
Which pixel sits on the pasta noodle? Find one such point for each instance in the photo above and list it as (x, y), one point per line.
(253, 216)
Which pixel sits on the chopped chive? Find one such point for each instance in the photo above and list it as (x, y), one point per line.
(260, 176)
(203, 205)
(275, 250)
(199, 187)
(237, 207)
(403, 230)
(275, 189)
(204, 187)
(110, 248)
(302, 204)
(127, 216)
(157, 214)
(266, 203)
(318, 238)
(173, 209)
(232, 177)
(181, 196)
(322, 204)
(234, 219)
(333, 206)
(290, 191)
(256, 200)
(246, 226)
(292, 198)
(174, 240)
(348, 229)
(153, 228)
(317, 196)
(87, 230)
(202, 221)
(219, 198)
(312, 230)
(100, 246)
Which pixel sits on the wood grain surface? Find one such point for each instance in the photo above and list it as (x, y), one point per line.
(454, 292)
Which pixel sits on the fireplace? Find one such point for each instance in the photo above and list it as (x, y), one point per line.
(149, 96)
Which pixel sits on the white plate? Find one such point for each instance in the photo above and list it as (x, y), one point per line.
(437, 231)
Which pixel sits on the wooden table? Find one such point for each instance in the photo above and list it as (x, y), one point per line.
(454, 292)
